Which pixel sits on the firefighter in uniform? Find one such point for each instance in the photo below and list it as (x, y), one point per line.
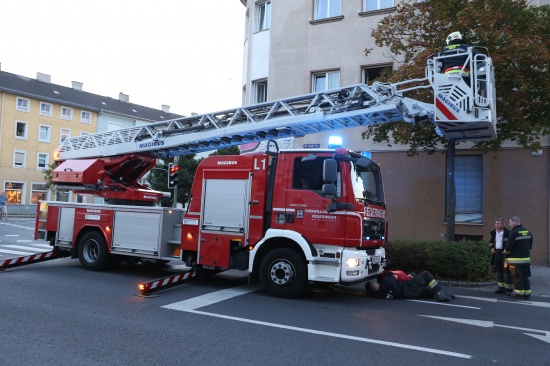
(517, 252)
(456, 65)
(395, 285)
(498, 239)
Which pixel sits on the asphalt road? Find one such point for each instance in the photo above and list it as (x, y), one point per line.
(57, 313)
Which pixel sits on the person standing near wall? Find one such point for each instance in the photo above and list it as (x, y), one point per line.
(517, 250)
(4, 205)
(498, 239)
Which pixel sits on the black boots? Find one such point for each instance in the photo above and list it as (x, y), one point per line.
(443, 296)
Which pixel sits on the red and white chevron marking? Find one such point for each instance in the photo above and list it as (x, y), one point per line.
(26, 260)
(166, 281)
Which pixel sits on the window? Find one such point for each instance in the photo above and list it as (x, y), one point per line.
(327, 8)
(469, 184)
(111, 126)
(19, 158)
(308, 174)
(369, 73)
(67, 113)
(44, 133)
(63, 194)
(14, 192)
(45, 109)
(83, 133)
(372, 5)
(42, 161)
(23, 105)
(63, 134)
(260, 91)
(264, 16)
(21, 129)
(86, 117)
(325, 81)
(39, 192)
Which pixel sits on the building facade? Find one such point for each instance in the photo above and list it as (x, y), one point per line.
(36, 115)
(296, 47)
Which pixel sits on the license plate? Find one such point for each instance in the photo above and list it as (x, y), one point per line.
(375, 259)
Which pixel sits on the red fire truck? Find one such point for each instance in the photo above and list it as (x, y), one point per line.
(288, 217)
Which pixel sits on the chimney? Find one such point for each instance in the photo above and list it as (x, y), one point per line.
(123, 97)
(165, 108)
(45, 78)
(77, 85)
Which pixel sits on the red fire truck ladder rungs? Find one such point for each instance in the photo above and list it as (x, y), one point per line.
(34, 258)
(146, 288)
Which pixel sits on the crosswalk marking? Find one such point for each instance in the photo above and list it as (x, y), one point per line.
(26, 247)
(7, 251)
(10, 250)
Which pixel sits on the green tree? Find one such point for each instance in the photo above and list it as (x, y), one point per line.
(517, 38)
(188, 165)
(48, 178)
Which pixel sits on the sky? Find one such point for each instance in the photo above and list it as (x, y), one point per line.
(187, 54)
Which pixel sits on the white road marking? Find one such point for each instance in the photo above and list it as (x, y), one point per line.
(444, 304)
(478, 298)
(211, 298)
(29, 248)
(14, 252)
(539, 304)
(47, 246)
(191, 305)
(489, 324)
(17, 226)
(12, 235)
(24, 241)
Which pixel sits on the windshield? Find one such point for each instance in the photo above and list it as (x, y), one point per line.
(366, 181)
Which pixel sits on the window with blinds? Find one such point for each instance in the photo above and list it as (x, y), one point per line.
(469, 188)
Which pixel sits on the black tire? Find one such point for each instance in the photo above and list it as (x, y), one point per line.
(283, 273)
(92, 251)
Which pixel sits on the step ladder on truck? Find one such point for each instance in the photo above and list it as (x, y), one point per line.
(287, 217)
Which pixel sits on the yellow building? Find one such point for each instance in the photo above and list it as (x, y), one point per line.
(36, 115)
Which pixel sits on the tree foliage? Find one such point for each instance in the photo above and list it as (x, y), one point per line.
(188, 165)
(517, 37)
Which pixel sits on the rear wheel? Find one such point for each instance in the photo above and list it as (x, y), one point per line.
(283, 273)
(92, 251)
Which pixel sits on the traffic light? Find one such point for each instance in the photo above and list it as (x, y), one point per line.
(173, 170)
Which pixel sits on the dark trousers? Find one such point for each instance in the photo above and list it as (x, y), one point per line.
(520, 278)
(504, 279)
(422, 285)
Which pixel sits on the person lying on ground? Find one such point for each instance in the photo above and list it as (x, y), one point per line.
(401, 286)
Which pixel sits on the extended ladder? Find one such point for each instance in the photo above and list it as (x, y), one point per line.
(353, 106)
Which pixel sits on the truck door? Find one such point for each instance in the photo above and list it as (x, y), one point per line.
(306, 210)
(224, 217)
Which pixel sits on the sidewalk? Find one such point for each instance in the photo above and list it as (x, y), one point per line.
(540, 281)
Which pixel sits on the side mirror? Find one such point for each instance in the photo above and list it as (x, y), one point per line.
(330, 171)
(329, 190)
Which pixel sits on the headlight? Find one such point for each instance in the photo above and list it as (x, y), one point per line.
(352, 262)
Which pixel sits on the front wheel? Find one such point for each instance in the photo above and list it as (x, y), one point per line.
(92, 251)
(283, 273)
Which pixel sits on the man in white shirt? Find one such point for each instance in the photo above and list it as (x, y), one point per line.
(498, 239)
